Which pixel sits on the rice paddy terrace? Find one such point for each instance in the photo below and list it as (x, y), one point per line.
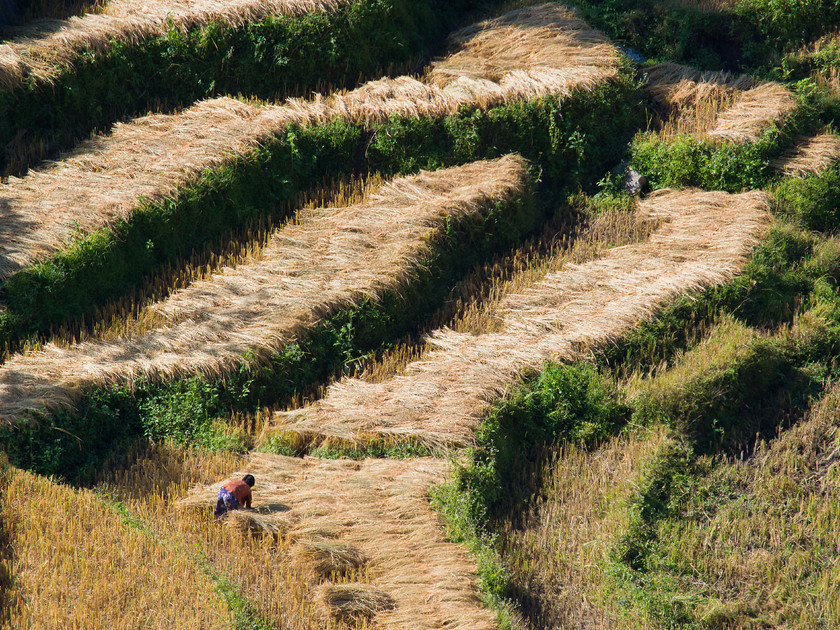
(384, 256)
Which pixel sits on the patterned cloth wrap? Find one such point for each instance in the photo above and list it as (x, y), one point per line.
(225, 502)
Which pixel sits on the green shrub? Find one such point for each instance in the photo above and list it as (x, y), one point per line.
(564, 402)
(752, 34)
(813, 200)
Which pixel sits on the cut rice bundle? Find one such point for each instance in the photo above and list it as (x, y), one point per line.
(809, 156)
(717, 105)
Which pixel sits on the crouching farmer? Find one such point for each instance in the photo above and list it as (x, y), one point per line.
(234, 495)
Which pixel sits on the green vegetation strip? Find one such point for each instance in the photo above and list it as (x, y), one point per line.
(277, 56)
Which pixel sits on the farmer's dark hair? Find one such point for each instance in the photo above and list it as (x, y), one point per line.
(249, 479)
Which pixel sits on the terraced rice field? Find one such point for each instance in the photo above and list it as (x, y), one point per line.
(481, 381)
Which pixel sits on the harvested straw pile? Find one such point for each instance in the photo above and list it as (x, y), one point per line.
(717, 105)
(754, 111)
(273, 526)
(328, 258)
(379, 507)
(46, 47)
(102, 181)
(326, 558)
(809, 155)
(439, 400)
(524, 54)
(351, 601)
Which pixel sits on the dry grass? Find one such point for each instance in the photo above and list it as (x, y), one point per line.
(76, 564)
(439, 400)
(559, 551)
(524, 54)
(380, 512)
(753, 112)
(273, 526)
(328, 558)
(326, 259)
(473, 304)
(717, 105)
(131, 314)
(44, 48)
(809, 155)
(726, 344)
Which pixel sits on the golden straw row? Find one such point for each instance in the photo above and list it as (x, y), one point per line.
(44, 48)
(809, 156)
(373, 514)
(524, 54)
(717, 105)
(440, 399)
(326, 259)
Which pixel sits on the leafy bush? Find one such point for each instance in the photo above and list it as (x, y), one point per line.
(568, 402)
(814, 200)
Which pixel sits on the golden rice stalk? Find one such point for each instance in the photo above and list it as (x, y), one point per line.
(677, 86)
(439, 400)
(44, 48)
(718, 105)
(352, 601)
(326, 259)
(76, 564)
(524, 54)
(809, 155)
(381, 508)
(255, 524)
(754, 111)
(326, 558)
